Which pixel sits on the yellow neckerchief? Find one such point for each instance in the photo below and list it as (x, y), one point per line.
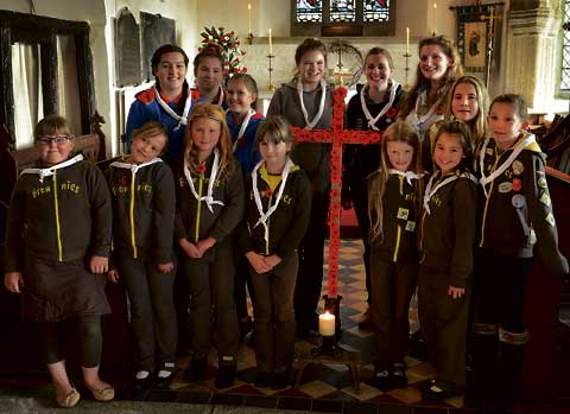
(271, 179)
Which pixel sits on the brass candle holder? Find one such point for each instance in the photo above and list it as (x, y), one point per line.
(270, 86)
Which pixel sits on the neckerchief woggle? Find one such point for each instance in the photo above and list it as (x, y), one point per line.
(372, 120)
(311, 124)
(208, 198)
(182, 119)
(408, 175)
(521, 145)
(264, 216)
(49, 171)
(430, 193)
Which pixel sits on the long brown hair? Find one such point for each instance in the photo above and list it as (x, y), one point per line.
(224, 145)
(397, 132)
(453, 71)
(478, 125)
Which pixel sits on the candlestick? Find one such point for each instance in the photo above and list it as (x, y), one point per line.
(326, 324)
(434, 19)
(407, 40)
(270, 42)
(270, 86)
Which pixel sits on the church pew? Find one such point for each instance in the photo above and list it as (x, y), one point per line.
(542, 371)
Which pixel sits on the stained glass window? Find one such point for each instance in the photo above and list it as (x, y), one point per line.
(565, 72)
(342, 11)
(309, 11)
(376, 10)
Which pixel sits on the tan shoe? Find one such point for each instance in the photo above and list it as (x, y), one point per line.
(104, 394)
(69, 400)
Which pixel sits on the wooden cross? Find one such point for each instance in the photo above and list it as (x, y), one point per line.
(337, 136)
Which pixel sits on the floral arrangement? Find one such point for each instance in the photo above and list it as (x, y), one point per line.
(228, 43)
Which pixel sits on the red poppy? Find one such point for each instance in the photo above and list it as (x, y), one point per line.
(517, 184)
(268, 193)
(392, 112)
(201, 169)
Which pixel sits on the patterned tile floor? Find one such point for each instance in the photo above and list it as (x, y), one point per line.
(329, 386)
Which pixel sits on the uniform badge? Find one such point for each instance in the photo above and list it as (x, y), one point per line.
(410, 226)
(542, 182)
(545, 199)
(532, 237)
(388, 120)
(403, 213)
(517, 184)
(505, 187)
(518, 167)
(550, 219)
(518, 201)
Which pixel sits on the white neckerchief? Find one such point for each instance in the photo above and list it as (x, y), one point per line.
(208, 198)
(516, 151)
(264, 216)
(429, 193)
(317, 118)
(182, 119)
(408, 175)
(134, 167)
(243, 127)
(46, 172)
(372, 121)
(422, 120)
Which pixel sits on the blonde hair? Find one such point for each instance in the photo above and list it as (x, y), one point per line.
(224, 145)
(453, 71)
(397, 132)
(50, 125)
(477, 125)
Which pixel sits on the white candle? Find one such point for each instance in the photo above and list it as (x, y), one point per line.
(407, 40)
(326, 324)
(270, 43)
(435, 18)
(249, 18)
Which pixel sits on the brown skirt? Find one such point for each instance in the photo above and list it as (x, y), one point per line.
(55, 291)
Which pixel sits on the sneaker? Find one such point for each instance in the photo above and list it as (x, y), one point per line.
(262, 379)
(142, 380)
(196, 371)
(165, 375)
(382, 380)
(226, 375)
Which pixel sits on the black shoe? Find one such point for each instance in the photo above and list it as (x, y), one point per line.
(439, 391)
(226, 376)
(262, 379)
(196, 371)
(382, 380)
(141, 382)
(398, 375)
(280, 380)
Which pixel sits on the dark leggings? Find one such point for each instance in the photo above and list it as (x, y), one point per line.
(87, 330)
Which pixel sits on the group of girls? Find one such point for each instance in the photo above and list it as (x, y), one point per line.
(239, 184)
(456, 178)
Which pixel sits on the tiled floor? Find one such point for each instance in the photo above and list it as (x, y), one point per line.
(329, 386)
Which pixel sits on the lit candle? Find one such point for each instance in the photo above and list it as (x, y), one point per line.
(249, 18)
(435, 19)
(407, 40)
(270, 43)
(326, 324)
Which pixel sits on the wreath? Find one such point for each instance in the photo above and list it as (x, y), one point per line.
(228, 44)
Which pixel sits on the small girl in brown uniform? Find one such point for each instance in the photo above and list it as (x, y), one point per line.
(144, 203)
(517, 215)
(278, 211)
(58, 239)
(447, 241)
(394, 210)
(210, 204)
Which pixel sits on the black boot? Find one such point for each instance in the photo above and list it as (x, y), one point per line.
(481, 375)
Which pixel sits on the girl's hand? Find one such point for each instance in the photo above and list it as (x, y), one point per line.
(455, 292)
(257, 261)
(165, 267)
(99, 264)
(190, 249)
(204, 245)
(113, 276)
(14, 282)
(272, 260)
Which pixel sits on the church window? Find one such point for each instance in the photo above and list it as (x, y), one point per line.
(565, 67)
